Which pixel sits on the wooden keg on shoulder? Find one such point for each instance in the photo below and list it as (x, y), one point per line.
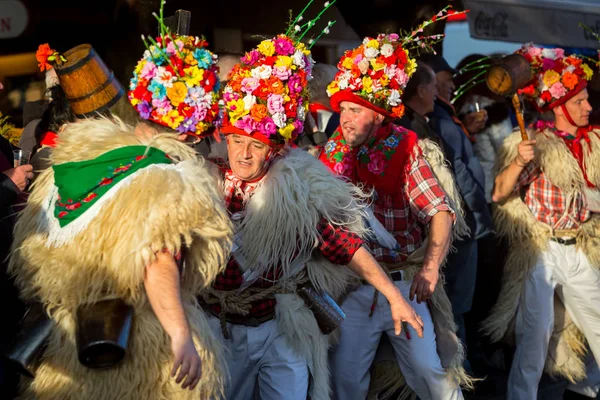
(89, 85)
(509, 74)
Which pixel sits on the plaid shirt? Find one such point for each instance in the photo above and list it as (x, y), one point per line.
(547, 202)
(337, 245)
(406, 216)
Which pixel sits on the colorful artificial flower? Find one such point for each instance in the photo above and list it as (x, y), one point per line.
(175, 84)
(556, 77)
(267, 92)
(376, 73)
(44, 55)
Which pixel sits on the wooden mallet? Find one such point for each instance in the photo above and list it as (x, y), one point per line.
(506, 77)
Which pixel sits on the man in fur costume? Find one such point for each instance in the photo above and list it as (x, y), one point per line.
(111, 220)
(412, 220)
(295, 223)
(546, 190)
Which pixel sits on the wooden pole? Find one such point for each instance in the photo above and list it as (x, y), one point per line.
(517, 105)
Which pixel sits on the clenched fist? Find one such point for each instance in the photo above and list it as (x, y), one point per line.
(526, 151)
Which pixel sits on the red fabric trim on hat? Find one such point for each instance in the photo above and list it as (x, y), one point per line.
(232, 130)
(348, 95)
(580, 86)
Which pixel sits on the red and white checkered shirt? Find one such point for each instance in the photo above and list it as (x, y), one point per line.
(406, 217)
(337, 245)
(547, 202)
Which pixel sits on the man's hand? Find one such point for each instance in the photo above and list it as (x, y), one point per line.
(403, 312)
(424, 283)
(187, 361)
(526, 151)
(20, 175)
(475, 121)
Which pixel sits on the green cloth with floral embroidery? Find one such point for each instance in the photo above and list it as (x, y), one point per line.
(82, 183)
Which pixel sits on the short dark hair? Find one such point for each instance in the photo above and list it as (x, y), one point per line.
(423, 75)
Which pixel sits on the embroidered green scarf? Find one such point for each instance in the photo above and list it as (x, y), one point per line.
(82, 183)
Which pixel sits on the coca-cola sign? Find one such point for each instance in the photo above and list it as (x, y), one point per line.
(13, 18)
(546, 22)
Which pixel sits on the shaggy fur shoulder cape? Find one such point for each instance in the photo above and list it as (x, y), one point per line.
(159, 208)
(528, 238)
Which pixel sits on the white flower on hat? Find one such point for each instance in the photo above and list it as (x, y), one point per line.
(249, 101)
(299, 59)
(301, 113)
(279, 119)
(390, 71)
(394, 98)
(262, 72)
(376, 86)
(387, 50)
(363, 66)
(570, 68)
(371, 52)
(366, 41)
(549, 53)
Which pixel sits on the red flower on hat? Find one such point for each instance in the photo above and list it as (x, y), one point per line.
(43, 53)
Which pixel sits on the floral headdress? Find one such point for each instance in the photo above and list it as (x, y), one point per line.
(556, 77)
(266, 96)
(375, 74)
(175, 84)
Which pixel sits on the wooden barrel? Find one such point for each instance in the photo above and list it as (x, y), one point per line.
(89, 85)
(509, 74)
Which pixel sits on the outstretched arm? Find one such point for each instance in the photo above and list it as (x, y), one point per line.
(161, 281)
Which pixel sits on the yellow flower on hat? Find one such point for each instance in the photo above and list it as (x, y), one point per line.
(384, 80)
(177, 93)
(367, 84)
(348, 63)
(551, 77)
(173, 119)
(377, 66)
(411, 66)
(300, 46)
(286, 132)
(587, 71)
(373, 43)
(193, 76)
(267, 48)
(284, 61)
(190, 59)
(236, 110)
(332, 88)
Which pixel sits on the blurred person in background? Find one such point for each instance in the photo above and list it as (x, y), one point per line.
(461, 267)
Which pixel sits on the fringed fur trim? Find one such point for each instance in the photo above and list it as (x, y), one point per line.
(591, 153)
(282, 216)
(160, 209)
(440, 167)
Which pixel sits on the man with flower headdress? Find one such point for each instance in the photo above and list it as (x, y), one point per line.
(546, 191)
(414, 209)
(118, 238)
(296, 225)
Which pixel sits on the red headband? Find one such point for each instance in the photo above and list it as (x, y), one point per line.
(348, 95)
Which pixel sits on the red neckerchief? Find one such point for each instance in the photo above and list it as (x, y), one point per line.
(573, 143)
(49, 139)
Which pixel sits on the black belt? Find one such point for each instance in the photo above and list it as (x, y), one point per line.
(241, 320)
(566, 242)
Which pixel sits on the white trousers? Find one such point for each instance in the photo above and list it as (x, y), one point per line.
(418, 358)
(261, 363)
(566, 270)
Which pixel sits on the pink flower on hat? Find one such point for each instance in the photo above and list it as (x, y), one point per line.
(558, 90)
(275, 103)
